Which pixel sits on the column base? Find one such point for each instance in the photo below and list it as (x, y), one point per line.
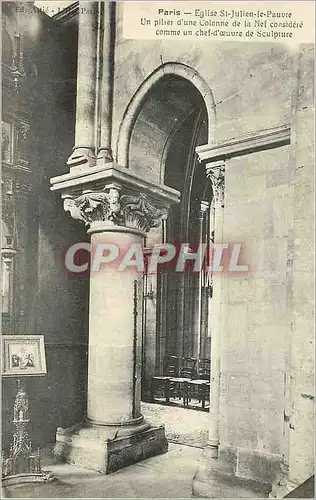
(228, 475)
(104, 156)
(81, 157)
(214, 484)
(106, 448)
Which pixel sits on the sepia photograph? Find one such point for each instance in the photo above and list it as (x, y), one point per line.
(157, 249)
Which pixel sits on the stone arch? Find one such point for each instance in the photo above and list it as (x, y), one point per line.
(134, 106)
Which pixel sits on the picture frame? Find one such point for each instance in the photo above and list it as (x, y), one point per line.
(7, 134)
(23, 356)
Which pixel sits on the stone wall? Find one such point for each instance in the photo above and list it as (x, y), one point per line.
(256, 313)
(251, 83)
(266, 318)
(301, 398)
(55, 303)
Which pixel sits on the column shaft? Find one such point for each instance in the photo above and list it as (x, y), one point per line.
(84, 149)
(216, 172)
(115, 338)
(216, 349)
(105, 151)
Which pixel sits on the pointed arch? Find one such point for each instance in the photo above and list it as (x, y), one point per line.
(134, 106)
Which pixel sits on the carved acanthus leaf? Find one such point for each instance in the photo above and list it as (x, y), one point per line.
(216, 174)
(139, 212)
(132, 211)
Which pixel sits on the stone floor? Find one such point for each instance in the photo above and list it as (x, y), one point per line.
(164, 476)
(183, 425)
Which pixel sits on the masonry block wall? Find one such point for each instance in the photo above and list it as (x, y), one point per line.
(301, 401)
(266, 359)
(255, 313)
(251, 83)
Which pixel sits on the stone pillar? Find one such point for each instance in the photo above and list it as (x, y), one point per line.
(240, 460)
(180, 352)
(202, 482)
(162, 307)
(85, 140)
(298, 444)
(115, 339)
(105, 150)
(198, 350)
(114, 433)
(216, 173)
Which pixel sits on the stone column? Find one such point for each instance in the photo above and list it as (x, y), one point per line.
(162, 307)
(198, 349)
(106, 91)
(114, 433)
(84, 149)
(115, 339)
(216, 173)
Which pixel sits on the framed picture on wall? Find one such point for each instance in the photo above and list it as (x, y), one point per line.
(23, 355)
(7, 142)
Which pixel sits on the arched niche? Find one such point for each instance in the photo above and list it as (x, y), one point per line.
(169, 116)
(155, 113)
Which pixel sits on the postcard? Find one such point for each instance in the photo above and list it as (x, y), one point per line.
(158, 249)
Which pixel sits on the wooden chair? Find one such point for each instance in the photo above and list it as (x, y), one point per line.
(204, 369)
(162, 382)
(188, 367)
(187, 371)
(200, 386)
(171, 366)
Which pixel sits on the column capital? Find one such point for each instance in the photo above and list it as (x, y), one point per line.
(111, 197)
(216, 173)
(115, 209)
